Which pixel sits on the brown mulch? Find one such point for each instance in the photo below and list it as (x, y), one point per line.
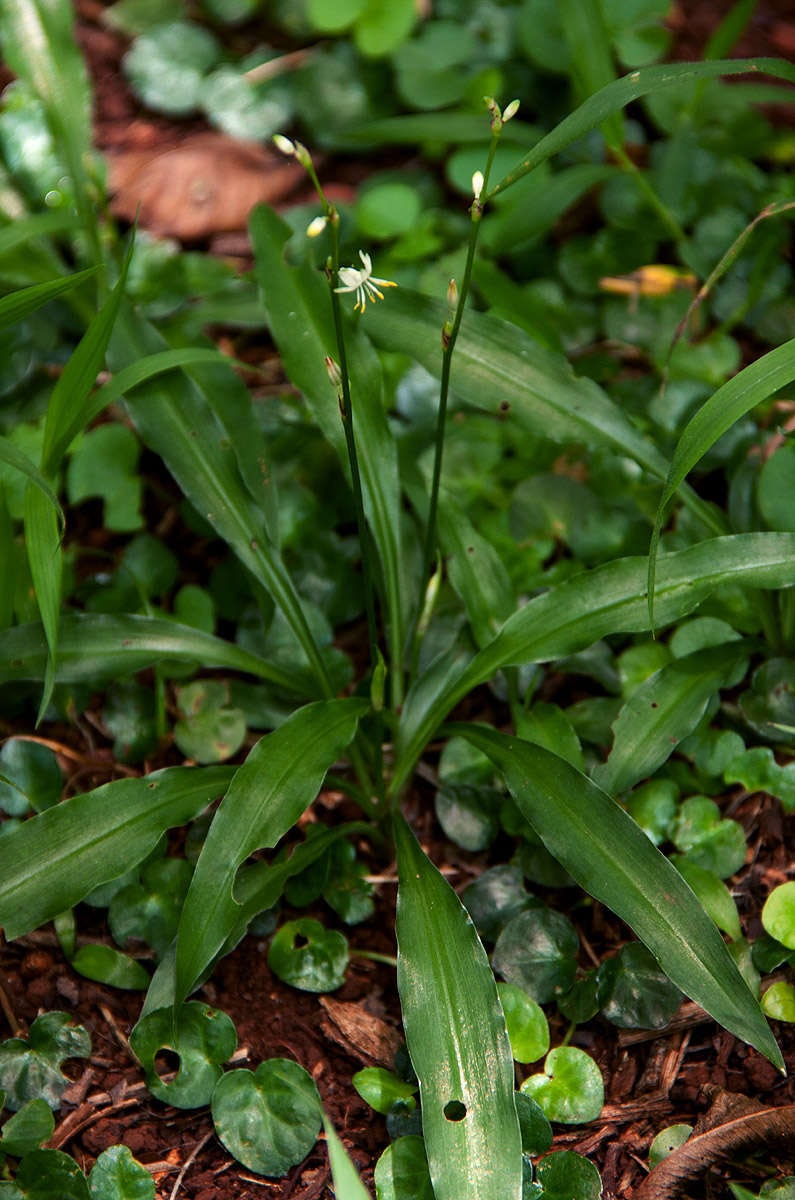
(690, 1072)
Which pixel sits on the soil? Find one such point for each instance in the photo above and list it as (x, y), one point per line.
(690, 1072)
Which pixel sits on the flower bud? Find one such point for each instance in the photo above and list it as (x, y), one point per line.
(303, 155)
(452, 295)
(334, 373)
(316, 227)
(284, 144)
(477, 184)
(510, 111)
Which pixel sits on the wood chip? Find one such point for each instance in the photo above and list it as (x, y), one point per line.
(364, 1036)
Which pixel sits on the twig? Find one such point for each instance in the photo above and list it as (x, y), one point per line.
(190, 1159)
(17, 1029)
(117, 1033)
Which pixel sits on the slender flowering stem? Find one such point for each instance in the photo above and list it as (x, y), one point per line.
(449, 337)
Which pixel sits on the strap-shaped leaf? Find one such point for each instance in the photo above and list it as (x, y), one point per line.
(277, 782)
(575, 614)
(732, 401)
(347, 1184)
(11, 454)
(614, 861)
(664, 709)
(103, 646)
(176, 420)
(55, 859)
(19, 304)
(43, 543)
(615, 96)
(456, 1036)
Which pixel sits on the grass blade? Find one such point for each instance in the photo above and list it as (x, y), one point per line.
(178, 423)
(26, 300)
(278, 781)
(52, 861)
(10, 453)
(100, 647)
(607, 600)
(455, 1032)
(298, 299)
(347, 1184)
(40, 225)
(43, 544)
(614, 861)
(584, 30)
(732, 401)
(615, 96)
(664, 709)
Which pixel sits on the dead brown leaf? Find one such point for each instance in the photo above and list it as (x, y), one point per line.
(207, 185)
(363, 1035)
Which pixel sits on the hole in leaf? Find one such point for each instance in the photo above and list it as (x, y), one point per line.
(454, 1110)
(300, 941)
(166, 1062)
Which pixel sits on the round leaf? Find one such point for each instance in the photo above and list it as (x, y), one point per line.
(528, 1031)
(401, 1172)
(30, 1068)
(308, 956)
(106, 965)
(117, 1176)
(388, 209)
(778, 1001)
(535, 1128)
(268, 1119)
(166, 65)
(666, 1141)
(714, 844)
(571, 1089)
(44, 1174)
(536, 952)
(468, 815)
(778, 915)
(29, 777)
(634, 992)
(27, 1129)
(494, 898)
(150, 910)
(565, 1175)
(205, 1038)
(382, 1089)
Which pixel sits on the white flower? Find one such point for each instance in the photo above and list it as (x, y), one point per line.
(362, 282)
(477, 184)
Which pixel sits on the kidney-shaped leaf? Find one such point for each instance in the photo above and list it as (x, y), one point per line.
(268, 1119)
(614, 860)
(308, 956)
(30, 1068)
(569, 1089)
(202, 1037)
(456, 1036)
(564, 1175)
(44, 1174)
(117, 1176)
(27, 1129)
(401, 1172)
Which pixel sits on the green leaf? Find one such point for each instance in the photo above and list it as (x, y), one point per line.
(778, 1002)
(106, 965)
(401, 1172)
(456, 1036)
(714, 844)
(167, 65)
(613, 860)
(209, 729)
(29, 777)
(99, 647)
(43, 1174)
(104, 463)
(633, 991)
(298, 299)
(537, 951)
(494, 898)
(11, 454)
(575, 614)
(668, 1140)
(203, 1038)
(663, 711)
(612, 98)
(45, 558)
(30, 1068)
(268, 1119)
(27, 1129)
(737, 397)
(527, 1026)
(712, 893)
(52, 861)
(278, 781)
(570, 1089)
(117, 1176)
(564, 1175)
(778, 914)
(536, 1130)
(382, 1089)
(309, 957)
(149, 911)
(347, 1184)
(177, 421)
(38, 225)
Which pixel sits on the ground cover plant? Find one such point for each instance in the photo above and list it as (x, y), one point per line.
(440, 573)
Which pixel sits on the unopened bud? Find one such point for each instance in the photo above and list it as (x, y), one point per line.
(510, 110)
(334, 373)
(284, 144)
(303, 155)
(316, 227)
(452, 294)
(477, 184)
(377, 683)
